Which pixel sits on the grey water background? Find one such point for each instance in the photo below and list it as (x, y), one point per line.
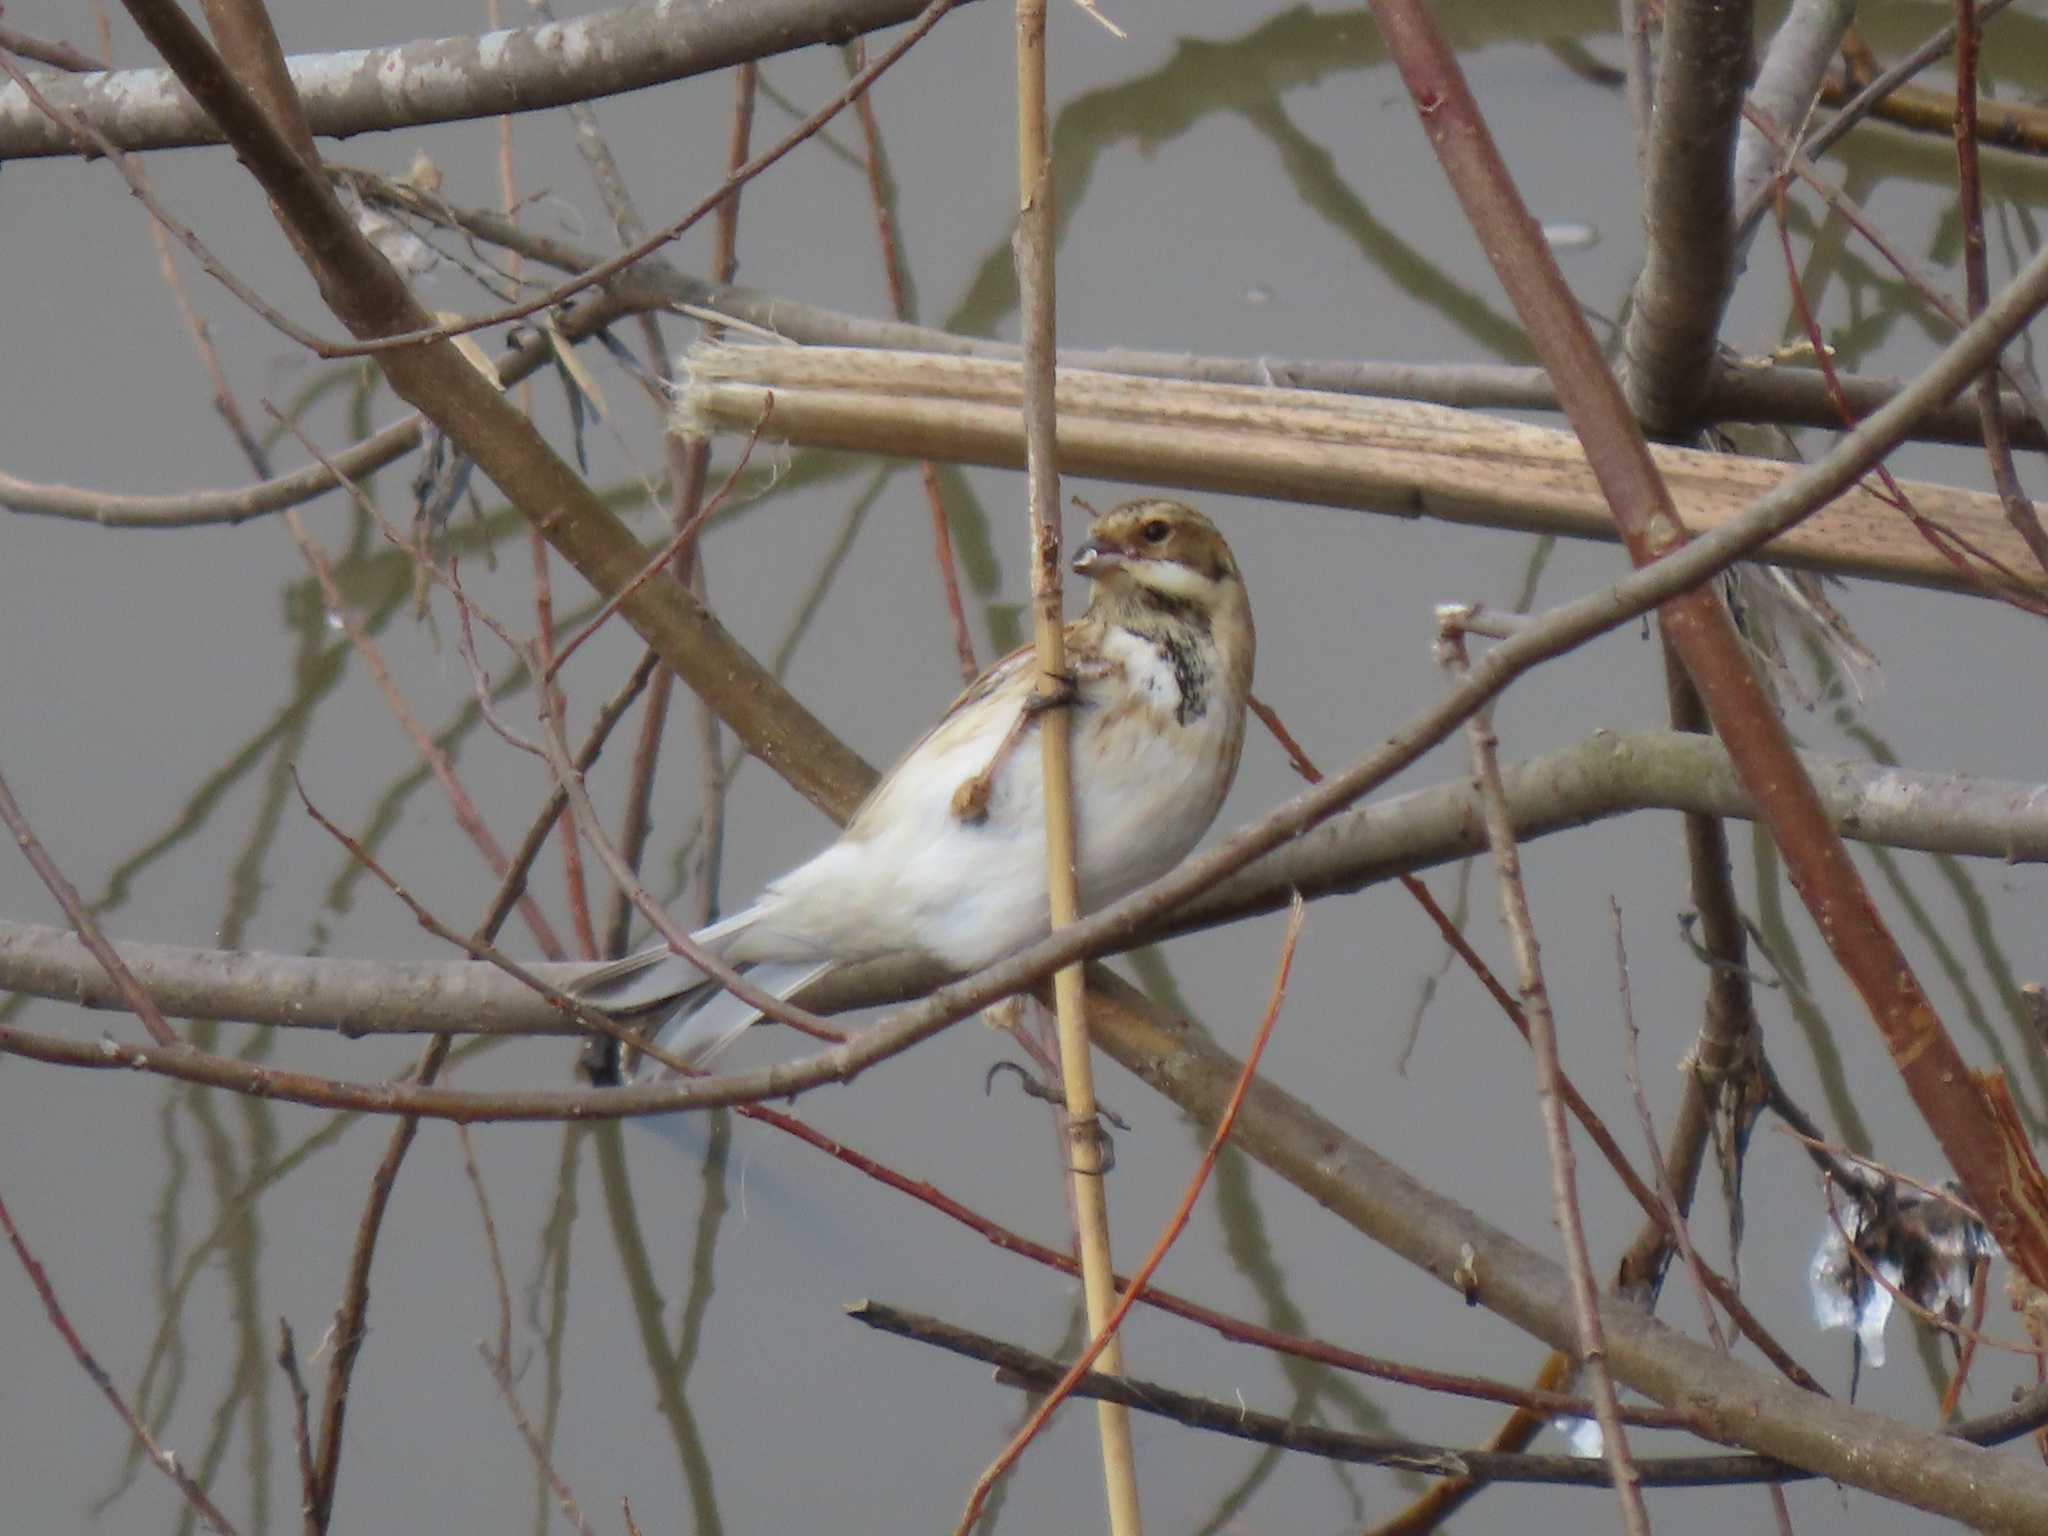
(1233, 180)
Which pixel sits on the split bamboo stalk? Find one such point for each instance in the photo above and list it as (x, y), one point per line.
(1395, 457)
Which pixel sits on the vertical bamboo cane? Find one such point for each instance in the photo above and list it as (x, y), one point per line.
(1033, 250)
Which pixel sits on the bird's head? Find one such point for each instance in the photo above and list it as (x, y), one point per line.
(1160, 553)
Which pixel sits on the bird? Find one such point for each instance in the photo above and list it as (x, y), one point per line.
(945, 859)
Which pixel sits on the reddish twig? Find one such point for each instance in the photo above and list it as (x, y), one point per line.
(514, 881)
(302, 1434)
(670, 553)
(689, 467)
(466, 814)
(91, 141)
(140, 1003)
(1589, 1119)
(1297, 759)
(1007, 1458)
(2019, 510)
(881, 199)
(475, 947)
(224, 401)
(1236, 1329)
(164, 1461)
(1951, 546)
(58, 55)
(734, 981)
(575, 890)
(2000, 1172)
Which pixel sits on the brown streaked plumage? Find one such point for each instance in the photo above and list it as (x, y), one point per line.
(946, 857)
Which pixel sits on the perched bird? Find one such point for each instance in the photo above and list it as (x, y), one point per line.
(945, 860)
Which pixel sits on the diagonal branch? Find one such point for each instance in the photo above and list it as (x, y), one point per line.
(2001, 1178)
(372, 300)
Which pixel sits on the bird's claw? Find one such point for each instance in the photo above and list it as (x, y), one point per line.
(1089, 1128)
(1064, 689)
(1087, 1125)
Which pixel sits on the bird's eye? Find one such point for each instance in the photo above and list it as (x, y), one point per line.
(1156, 531)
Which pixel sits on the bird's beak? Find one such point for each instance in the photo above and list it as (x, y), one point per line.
(1092, 559)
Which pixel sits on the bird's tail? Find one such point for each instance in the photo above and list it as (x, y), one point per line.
(689, 1015)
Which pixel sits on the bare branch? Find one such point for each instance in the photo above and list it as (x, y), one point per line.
(1787, 84)
(1609, 775)
(134, 997)
(1689, 261)
(2002, 1177)
(1589, 1345)
(162, 1459)
(451, 79)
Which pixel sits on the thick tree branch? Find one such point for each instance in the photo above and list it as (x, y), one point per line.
(1786, 87)
(1606, 776)
(372, 300)
(1388, 1205)
(1674, 322)
(2001, 1177)
(451, 79)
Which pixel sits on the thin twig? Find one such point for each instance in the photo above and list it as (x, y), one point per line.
(734, 981)
(475, 947)
(1016, 1366)
(928, 18)
(1535, 999)
(91, 141)
(1667, 1188)
(1105, 1332)
(513, 883)
(224, 401)
(1666, 1194)
(133, 993)
(302, 1434)
(164, 1461)
(666, 556)
(881, 196)
(492, 1252)
(2019, 511)
(689, 461)
(350, 1325)
(501, 1374)
(58, 55)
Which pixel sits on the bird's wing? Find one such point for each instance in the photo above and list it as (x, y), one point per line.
(1012, 674)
